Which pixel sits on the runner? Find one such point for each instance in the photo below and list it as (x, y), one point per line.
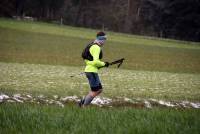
(92, 56)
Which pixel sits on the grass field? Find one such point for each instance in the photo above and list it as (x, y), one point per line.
(56, 80)
(47, 119)
(38, 58)
(58, 45)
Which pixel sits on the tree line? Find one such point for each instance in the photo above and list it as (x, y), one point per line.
(177, 19)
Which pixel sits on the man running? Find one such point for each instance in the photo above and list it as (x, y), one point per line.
(92, 55)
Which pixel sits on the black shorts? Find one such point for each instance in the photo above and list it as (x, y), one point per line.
(94, 81)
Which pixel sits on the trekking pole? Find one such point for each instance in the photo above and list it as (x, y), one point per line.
(77, 74)
(119, 62)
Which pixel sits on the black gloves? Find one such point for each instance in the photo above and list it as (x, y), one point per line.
(107, 64)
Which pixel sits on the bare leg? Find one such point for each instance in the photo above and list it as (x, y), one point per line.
(94, 94)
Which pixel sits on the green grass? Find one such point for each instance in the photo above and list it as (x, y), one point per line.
(51, 80)
(38, 58)
(26, 118)
(28, 46)
(40, 27)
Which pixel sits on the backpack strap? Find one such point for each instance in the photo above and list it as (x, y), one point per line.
(87, 55)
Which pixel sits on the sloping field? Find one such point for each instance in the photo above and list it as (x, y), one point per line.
(59, 45)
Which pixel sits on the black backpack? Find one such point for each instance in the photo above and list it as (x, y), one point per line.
(86, 53)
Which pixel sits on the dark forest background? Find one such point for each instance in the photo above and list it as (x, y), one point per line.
(177, 19)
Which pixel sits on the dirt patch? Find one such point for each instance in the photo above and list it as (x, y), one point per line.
(99, 101)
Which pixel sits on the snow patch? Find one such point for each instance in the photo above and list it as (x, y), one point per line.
(168, 104)
(101, 101)
(70, 98)
(195, 105)
(127, 99)
(147, 104)
(3, 97)
(17, 100)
